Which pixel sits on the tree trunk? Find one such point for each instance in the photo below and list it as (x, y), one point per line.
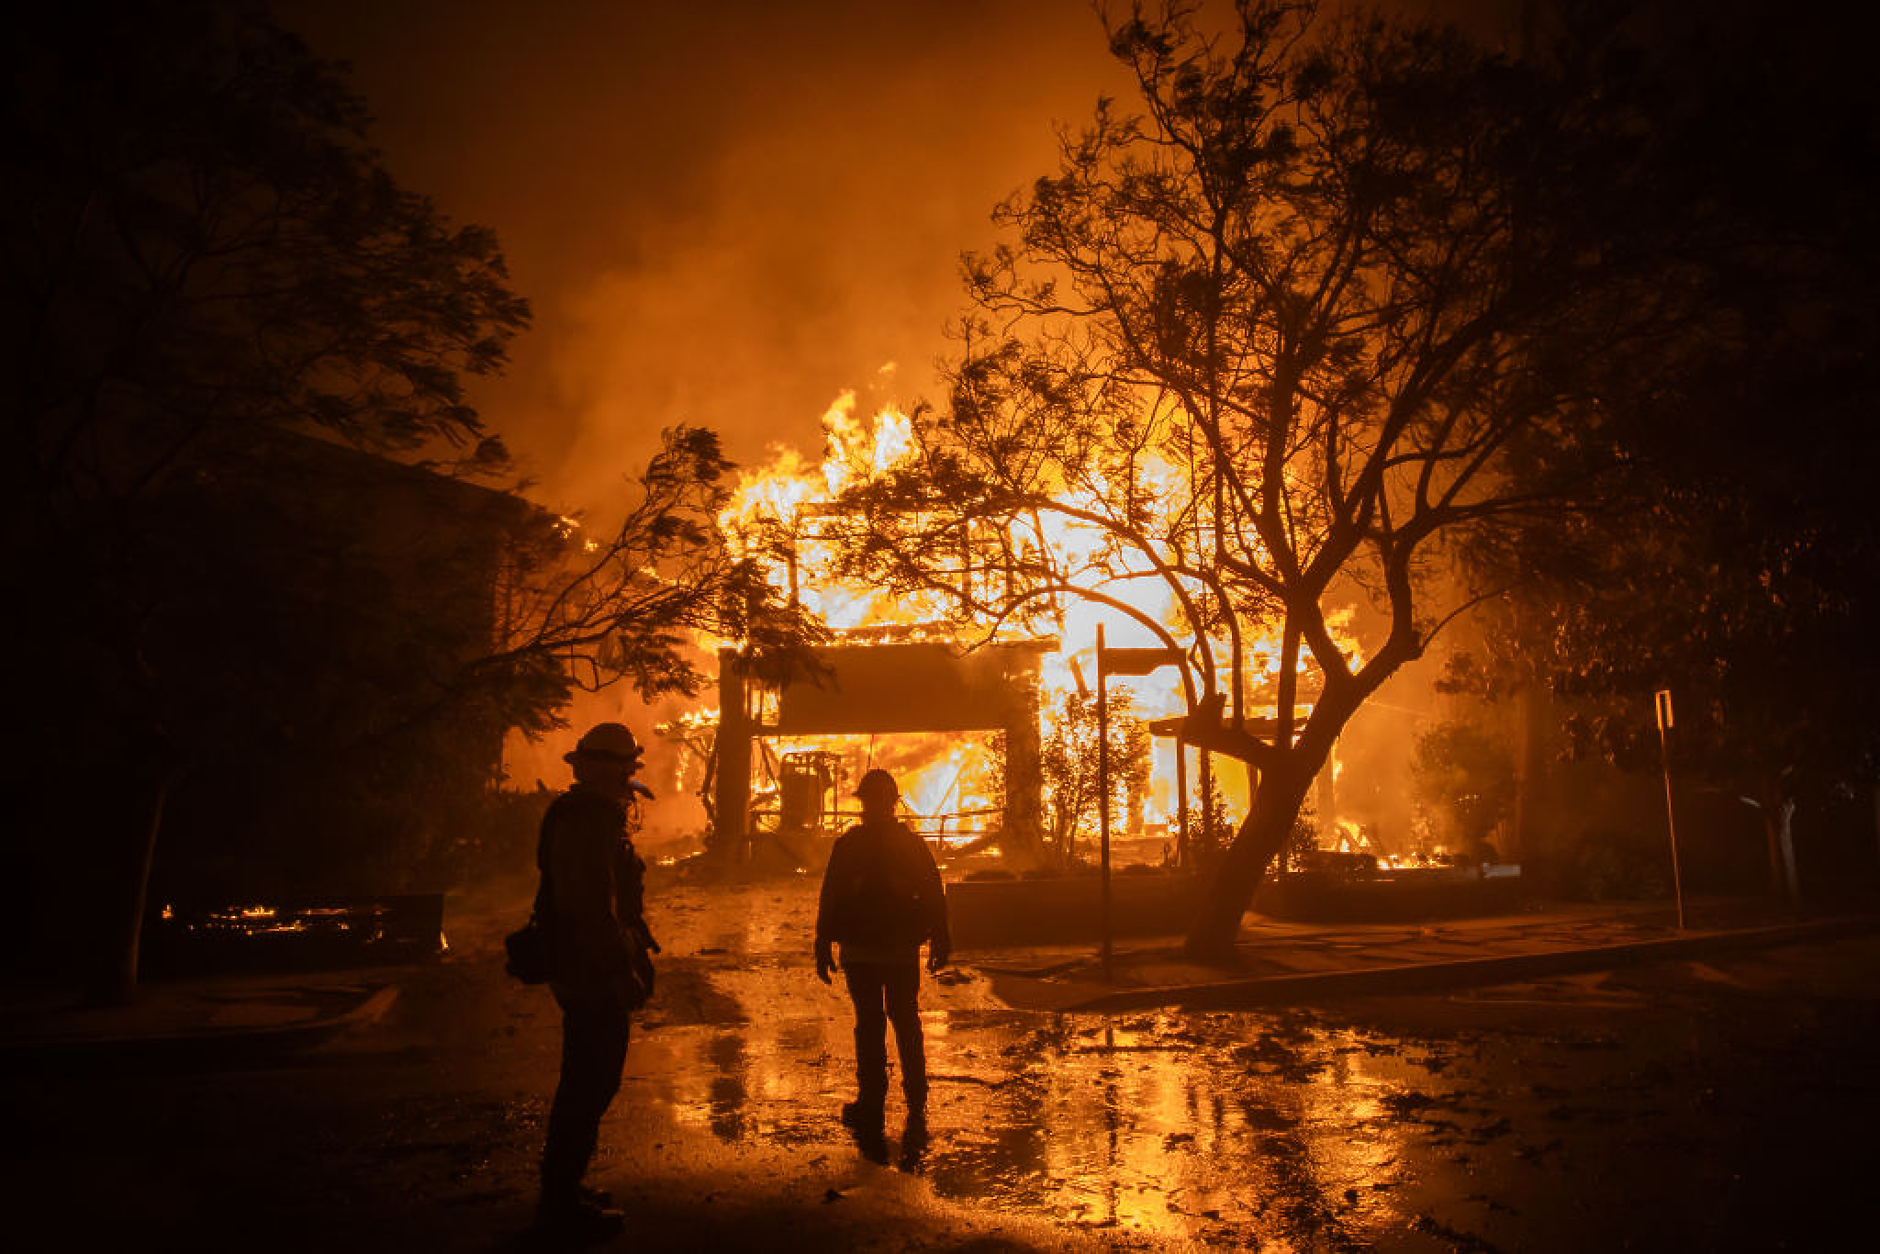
(729, 839)
(1779, 821)
(114, 982)
(1261, 836)
(1533, 719)
(1022, 844)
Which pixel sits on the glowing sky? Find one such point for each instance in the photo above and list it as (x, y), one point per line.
(726, 212)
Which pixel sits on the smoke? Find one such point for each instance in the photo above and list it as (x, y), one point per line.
(724, 213)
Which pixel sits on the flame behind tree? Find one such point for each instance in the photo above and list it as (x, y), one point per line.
(1261, 353)
(1068, 763)
(637, 605)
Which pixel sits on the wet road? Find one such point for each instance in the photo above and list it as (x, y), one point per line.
(1685, 1106)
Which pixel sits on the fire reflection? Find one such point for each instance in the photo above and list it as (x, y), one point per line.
(728, 1093)
(1171, 1127)
(1216, 1128)
(1138, 1127)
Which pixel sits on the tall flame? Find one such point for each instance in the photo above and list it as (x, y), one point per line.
(773, 517)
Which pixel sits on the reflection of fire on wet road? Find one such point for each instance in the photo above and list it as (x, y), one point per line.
(1486, 1119)
(1169, 1126)
(1671, 1107)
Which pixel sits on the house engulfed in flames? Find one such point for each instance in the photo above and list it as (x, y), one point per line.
(962, 723)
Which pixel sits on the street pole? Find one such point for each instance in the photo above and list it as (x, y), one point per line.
(1184, 852)
(1121, 662)
(1662, 701)
(1103, 795)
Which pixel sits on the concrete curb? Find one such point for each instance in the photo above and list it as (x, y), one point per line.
(1463, 972)
(206, 1046)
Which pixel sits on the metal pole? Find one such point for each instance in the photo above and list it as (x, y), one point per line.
(1184, 851)
(1663, 703)
(1103, 796)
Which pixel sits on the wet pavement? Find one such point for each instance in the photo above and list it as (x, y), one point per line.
(1697, 1100)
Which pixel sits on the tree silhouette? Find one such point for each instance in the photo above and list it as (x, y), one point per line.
(1269, 347)
(209, 278)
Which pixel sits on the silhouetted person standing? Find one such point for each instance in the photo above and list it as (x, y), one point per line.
(881, 901)
(593, 898)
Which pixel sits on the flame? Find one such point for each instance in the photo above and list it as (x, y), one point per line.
(567, 528)
(771, 510)
(776, 515)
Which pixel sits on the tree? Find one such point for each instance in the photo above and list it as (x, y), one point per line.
(209, 276)
(578, 612)
(1465, 778)
(1268, 348)
(1068, 761)
(1733, 565)
(1740, 581)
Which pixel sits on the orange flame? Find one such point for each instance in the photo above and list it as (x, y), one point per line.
(772, 516)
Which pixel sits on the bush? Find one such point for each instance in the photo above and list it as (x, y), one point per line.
(1616, 864)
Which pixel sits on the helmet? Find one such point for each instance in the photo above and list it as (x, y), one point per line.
(877, 783)
(610, 743)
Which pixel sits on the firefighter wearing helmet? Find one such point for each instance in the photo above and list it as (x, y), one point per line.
(591, 902)
(881, 901)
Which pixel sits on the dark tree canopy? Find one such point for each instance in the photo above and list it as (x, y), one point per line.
(1273, 339)
(245, 508)
(196, 230)
(1732, 563)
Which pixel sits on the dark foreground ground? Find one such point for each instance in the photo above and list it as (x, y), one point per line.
(1694, 1105)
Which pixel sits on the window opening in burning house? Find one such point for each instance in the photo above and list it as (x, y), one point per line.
(802, 797)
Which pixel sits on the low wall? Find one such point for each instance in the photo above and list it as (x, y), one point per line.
(1388, 896)
(1067, 908)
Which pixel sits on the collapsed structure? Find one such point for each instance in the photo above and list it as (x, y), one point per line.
(894, 672)
(875, 689)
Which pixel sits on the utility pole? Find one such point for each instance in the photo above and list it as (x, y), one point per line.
(1103, 797)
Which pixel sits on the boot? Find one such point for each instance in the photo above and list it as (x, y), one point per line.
(862, 1115)
(914, 1135)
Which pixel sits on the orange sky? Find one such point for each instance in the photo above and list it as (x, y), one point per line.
(725, 213)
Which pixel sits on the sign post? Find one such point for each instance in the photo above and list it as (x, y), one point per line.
(1103, 800)
(1662, 701)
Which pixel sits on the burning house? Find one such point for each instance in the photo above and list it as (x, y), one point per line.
(988, 724)
(869, 690)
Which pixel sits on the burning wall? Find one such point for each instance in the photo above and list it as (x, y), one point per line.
(882, 689)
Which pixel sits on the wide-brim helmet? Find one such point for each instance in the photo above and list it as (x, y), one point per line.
(611, 744)
(878, 783)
